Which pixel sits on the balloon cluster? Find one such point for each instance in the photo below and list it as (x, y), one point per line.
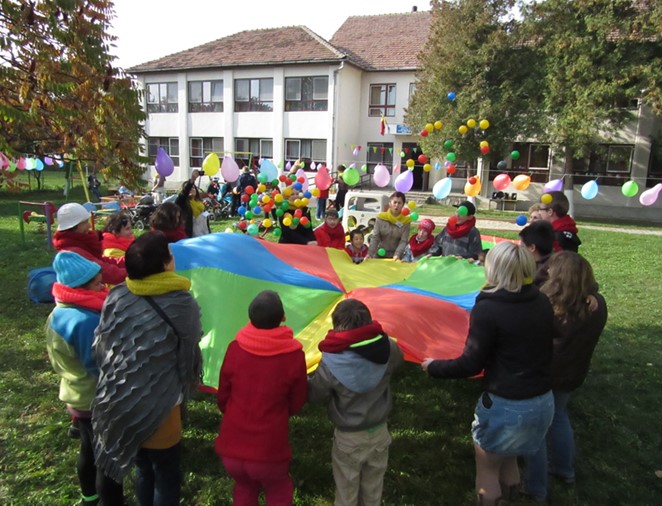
(28, 163)
(647, 198)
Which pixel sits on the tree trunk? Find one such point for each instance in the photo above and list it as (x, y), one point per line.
(567, 179)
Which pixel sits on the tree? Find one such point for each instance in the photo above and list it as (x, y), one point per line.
(59, 90)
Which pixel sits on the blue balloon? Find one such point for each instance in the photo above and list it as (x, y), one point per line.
(437, 166)
(297, 186)
(442, 188)
(590, 190)
(267, 167)
(257, 210)
(521, 220)
(241, 210)
(451, 95)
(39, 165)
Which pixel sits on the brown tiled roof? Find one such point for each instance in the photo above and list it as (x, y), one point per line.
(287, 45)
(385, 42)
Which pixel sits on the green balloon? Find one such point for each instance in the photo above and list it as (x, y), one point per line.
(630, 188)
(248, 215)
(381, 252)
(514, 155)
(279, 213)
(462, 211)
(451, 157)
(277, 231)
(413, 216)
(448, 144)
(351, 176)
(262, 178)
(295, 221)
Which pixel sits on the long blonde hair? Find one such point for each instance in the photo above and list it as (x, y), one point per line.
(570, 282)
(509, 266)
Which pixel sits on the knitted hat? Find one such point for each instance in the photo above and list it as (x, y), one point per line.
(471, 209)
(427, 225)
(74, 270)
(70, 215)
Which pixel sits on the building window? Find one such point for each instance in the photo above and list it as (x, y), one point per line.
(306, 93)
(202, 146)
(253, 95)
(610, 164)
(169, 144)
(534, 160)
(205, 96)
(379, 152)
(162, 97)
(382, 100)
(306, 150)
(248, 151)
(412, 90)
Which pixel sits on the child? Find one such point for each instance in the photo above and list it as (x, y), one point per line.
(168, 219)
(298, 231)
(420, 243)
(358, 360)
(79, 294)
(262, 384)
(356, 247)
(331, 234)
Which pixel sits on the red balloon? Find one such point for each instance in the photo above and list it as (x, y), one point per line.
(424, 133)
(485, 149)
(422, 158)
(249, 190)
(473, 180)
(304, 221)
(405, 210)
(282, 178)
(451, 169)
(301, 179)
(243, 225)
(298, 213)
(244, 198)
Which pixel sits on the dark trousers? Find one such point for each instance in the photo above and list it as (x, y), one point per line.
(85, 467)
(159, 476)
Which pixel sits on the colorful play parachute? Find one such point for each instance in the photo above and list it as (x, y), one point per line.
(424, 306)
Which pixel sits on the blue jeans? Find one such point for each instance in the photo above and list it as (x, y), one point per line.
(561, 446)
(321, 208)
(159, 476)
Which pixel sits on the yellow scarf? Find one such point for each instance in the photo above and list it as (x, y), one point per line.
(158, 284)
(388, 216)
(197, 207)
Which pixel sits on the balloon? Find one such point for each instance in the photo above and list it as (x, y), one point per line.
(589, 190)
(287, 221)
(521, 220)
(438, 125)
(630, 188)
(351, 176)
(422, 158)
(442, 188)
(381, 252)
(163, 163)
(546, 198)
(364, 168)
(229, 169)
(211, 164)
(451, 169)
(257, 210)
(410, 163)
(471, 123)
(262, 178)
(501, 182)
(451, 95)
(473, 180)
(462, 129)
(248, 215)
(252, 229)
(451, 157)
(649, 197)
(485, 150)
(277, 232)
(411, 204)
(21, 164)
(304, 221)
(514, 155)
(483, 144)
(502, 165)
(462, 211)
(302, 174)
(427, 167)
(429, 127)
(522, 182)
(266, 223)
(437, 166)
(448, 144)
(381, 177)
(414, 216)
(249, 190)
(315, 192)
(404, 181)
(554, 185)
(406, 211)
(484, 124)
(267, 167)
(39, 165)
(48, 160)
(355, 152)
(424, 133)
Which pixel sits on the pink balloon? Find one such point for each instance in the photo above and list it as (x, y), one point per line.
(304, 185)
(21, 164)
(229, 169)
(649, 197)
(404, 181)
(555, 185)
(322, 179)
(163, 163)
(381, 177)
(4, 161)
(501, 182)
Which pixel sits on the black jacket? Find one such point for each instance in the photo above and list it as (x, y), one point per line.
(510, 338)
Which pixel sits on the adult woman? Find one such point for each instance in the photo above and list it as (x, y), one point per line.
(571, 289)
(192, 208)
(74, 233)
(391, 230)
(168, 219)
(117, 235)
(146, 348)
(510, 338)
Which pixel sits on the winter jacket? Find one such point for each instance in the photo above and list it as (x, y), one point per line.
(330, 237)
(573, 348)
(565, 231)
(467, 246)
(299, 234)
(510, 338)
(393, 238)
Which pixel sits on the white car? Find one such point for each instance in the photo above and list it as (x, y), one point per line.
(361, 210)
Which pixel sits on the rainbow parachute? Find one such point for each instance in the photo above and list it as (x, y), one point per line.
(424, 306)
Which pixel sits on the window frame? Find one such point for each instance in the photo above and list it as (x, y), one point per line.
(155, 104)
(387, 91)
(169, 144)
(203, 105)
(309, 151)
(251, 103)
(314, 102)
(208, 145)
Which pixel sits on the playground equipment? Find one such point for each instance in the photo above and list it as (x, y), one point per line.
(44, 220)
(361, 210)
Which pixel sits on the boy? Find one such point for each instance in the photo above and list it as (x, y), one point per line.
(460, 237)
(353, 380)
(357, 248)
(565, 228)
(420, 243)
(331, 233)
(539, 240)
(262, 383)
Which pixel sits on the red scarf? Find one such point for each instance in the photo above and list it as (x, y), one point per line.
(456, 230)
(418, 248)
(112, 241)
(564, 224)
(267, 342)
(339, 341)
(173, 234)
(89, 299)
(64, 240)
(336, 235)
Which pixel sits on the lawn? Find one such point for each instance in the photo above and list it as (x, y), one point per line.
(616, 413)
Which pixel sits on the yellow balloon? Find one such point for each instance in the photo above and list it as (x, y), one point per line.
(278, 198)
(438, 125)
(261, 188)
(546, 198)
(427, 167)
(287, 221)
(484, 143)
(411, 204)
(267, 223)
(297, 202)
(521, 182)
(410, 163)
(315, 192)
(471, 123)
(484, 124)
(266, 199)
(471, 190)
(304, 202)
(463, 129)
(211, 164)
(429, 127)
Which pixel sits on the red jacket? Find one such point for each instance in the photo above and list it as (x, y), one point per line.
(89, 246)
(257, 394)
(330, 237)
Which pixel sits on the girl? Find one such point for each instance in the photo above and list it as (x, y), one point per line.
(356, 247)
(167, 220)
(117, 235)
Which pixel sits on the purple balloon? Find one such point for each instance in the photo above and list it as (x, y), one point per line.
(555, 185)
(163, 163)
(229, 169)
(404, 181)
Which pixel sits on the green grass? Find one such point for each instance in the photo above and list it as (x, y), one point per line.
(616, 413)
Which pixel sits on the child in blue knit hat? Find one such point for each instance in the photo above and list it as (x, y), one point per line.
(79, 295)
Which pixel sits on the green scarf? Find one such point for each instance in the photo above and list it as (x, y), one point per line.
(158, 284)
(388, 216)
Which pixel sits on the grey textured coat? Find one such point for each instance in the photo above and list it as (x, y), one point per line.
(145, 370)
(393, 238)
(466, 247)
